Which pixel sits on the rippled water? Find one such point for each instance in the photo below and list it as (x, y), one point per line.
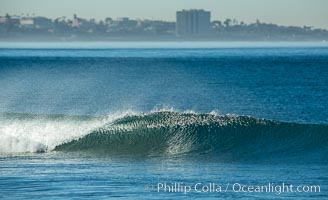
(113, 121)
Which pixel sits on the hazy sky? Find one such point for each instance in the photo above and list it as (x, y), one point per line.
(284, 12)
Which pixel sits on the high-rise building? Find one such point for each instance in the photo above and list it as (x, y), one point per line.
(75, 22)
(193, 23)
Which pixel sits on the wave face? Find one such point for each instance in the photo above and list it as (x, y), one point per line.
(172, 133)
(164, 133)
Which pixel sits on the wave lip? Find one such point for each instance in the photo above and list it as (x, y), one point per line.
(172, 133)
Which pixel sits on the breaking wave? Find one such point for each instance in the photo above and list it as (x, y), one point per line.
(164, 133)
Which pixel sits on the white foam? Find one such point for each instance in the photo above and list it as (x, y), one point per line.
(13, 144)
(215, 112)
(40, 134)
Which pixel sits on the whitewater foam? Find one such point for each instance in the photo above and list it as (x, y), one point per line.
(20, 133)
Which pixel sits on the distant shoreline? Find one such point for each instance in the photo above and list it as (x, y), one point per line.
(145, 39)
(90, 45)
(79, 30)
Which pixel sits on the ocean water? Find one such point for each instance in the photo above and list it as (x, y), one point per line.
(163, 121)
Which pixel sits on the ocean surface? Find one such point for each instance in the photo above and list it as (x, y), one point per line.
(163, 120)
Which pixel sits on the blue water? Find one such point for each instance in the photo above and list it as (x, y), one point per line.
(120, 121)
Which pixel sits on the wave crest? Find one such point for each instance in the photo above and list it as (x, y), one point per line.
(172, 133)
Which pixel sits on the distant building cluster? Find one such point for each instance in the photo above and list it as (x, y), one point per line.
(194, 24)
